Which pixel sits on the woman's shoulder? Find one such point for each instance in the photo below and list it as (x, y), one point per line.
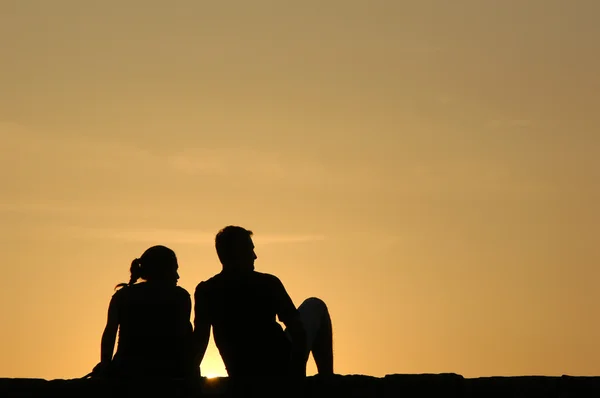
(170, 288)
(121, 291)
(148, 292)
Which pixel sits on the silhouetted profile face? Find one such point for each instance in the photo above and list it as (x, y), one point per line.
(172, 275)
(245, 255)
(235, 249)
(169, 269)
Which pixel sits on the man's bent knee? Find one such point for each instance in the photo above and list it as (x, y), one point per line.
(314, 302)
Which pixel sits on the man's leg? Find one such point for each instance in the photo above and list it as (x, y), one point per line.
(319, 335)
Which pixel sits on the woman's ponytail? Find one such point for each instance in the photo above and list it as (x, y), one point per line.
(135, 269)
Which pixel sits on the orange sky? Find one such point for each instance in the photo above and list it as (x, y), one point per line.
(429, 168)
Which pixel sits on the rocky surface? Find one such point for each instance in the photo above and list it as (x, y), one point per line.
(397, 385)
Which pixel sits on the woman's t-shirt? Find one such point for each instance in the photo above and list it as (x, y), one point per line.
(154, 326)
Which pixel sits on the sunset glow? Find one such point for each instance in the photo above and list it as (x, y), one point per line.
(430, 169)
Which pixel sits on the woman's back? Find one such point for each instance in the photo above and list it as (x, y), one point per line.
(154, 327)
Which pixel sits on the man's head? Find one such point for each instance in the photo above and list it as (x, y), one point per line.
(235, 249)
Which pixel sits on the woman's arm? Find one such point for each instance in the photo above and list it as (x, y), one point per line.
(186, 307)
(109, 336)
(202, 326)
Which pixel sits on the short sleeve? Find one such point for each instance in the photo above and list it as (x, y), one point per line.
(186, 303)
(286, 310)
(183, 311)
(201, 311)
(118, 297)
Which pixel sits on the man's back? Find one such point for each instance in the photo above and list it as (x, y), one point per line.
(242, 308)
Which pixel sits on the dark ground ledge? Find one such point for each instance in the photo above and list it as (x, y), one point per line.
(424, 385)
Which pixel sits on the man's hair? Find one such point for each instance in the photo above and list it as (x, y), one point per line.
(228, 238)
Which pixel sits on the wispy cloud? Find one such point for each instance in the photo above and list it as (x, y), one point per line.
(269, 167)
(509, 123)
(190, 236)
(229, 161)
(150, 236)
(277, 239)
(31, 152)
(24, 146)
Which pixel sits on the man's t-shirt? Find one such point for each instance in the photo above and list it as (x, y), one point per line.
(242, 311)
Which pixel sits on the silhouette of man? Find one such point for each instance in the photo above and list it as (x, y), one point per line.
(241, 305)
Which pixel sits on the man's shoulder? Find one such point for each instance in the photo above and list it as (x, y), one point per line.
(182, 291)
(208, 284)
(217, 281)
(267, 278)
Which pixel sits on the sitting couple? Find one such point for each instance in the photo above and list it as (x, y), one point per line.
(156, 337)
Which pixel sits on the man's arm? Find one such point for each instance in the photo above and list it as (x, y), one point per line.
(202, 325)
(288, 314)
(186, 309)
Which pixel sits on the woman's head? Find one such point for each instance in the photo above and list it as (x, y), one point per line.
(157, 264)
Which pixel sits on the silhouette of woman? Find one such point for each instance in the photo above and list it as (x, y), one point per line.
(152, 319)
